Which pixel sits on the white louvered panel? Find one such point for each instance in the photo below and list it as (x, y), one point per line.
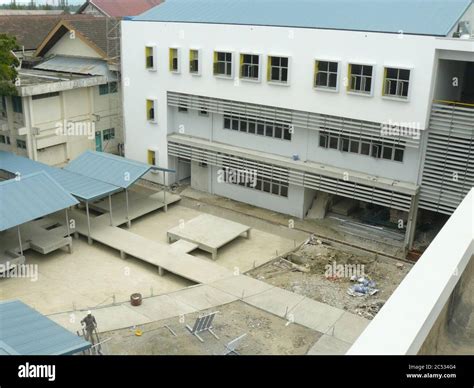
(314, 121)
(318, 182)
(448, 173)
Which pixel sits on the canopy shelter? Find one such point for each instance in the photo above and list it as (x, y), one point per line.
(84, 188)
(114, 170)
(90, 177)
(24, 331)
(26, 198)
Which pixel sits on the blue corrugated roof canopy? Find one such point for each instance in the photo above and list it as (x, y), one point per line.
(419, 17)
(24, 331)
(109, 168)
(30, 197)
(80, 186)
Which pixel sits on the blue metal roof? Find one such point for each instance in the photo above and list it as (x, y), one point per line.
(420, 17)
(80, 186)
(24, 331)
(108, 168)
(30, 197)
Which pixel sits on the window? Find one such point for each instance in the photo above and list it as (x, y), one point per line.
(223, 64)
(174, 60)
(17, 104)
(183, 108)
(360, 78)
(21, 144)
(151, 156)
(257, 127)
(194, 62)
(356, 145)
(4, 139)
(4, 103)
(396, 82)
(111, 87)
(278, 69)
(45, 95)
(150, 57)
(325, 75)
(151, 113)
(203, 112)
(249, 66)
(265, 184)
(108, 134)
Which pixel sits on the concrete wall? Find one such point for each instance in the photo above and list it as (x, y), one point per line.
(303, 46)
(72, 45)
(453, 331)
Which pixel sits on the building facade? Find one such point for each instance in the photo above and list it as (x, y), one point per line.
(273, 110)
(67, 103)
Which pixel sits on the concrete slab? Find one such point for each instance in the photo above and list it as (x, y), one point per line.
(183, 246)
(163, 307)
(108, 318)
(348, 327)
(241, 286)
(208, 232)
(327, 345)
(315, 315)
(276, 301)
(202, 297)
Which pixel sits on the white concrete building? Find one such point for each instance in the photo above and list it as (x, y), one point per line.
(311, 99)
(68, 103)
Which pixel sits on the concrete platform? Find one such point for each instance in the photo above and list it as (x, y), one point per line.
(209, 232)
(276, 301)
(139, 205)
(157, 254)
(348, 327)
(329, 346)
(183, 246)
(241, 286)
(202, 297)
(315, 315)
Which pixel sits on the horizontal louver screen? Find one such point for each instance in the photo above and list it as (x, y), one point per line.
(299, 178)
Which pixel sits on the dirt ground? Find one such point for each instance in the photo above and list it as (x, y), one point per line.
(266, 335)
(304, 272)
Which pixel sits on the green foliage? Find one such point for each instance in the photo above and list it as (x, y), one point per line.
(8, 62)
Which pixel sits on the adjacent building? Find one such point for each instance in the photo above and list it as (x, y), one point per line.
(370, 100)
(116, 8)
(68, 99)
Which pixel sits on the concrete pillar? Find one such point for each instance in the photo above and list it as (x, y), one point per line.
(411, 223)
(89, 240)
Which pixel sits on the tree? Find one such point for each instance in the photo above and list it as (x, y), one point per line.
(8, 64)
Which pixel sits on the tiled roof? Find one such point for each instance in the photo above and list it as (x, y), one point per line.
(121, 8)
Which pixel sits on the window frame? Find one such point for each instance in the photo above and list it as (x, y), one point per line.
(396, 97)
(171, 59)
(258, 66)
(226, 64)
(317, 71)
(152, 103)
(269, 69)
(197, 51)
(363, 78)
(19, 100)
(152, 55)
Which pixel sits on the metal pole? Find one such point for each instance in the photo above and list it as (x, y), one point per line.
(129, 224)
(89, 240)
(110, 211)
(19, 240)
(67, 223)
(164, 192)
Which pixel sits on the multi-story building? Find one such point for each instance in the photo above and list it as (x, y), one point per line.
(368, 100)
(69, 101)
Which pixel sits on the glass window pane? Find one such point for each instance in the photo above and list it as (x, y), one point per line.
(398, 155)
(365, 148)
(284, 191)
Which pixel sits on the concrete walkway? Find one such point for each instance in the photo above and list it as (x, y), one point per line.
(339, 328)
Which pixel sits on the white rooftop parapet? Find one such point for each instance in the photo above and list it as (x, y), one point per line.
(404, 322)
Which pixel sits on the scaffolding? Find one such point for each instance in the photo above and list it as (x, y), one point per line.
(113, 31)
